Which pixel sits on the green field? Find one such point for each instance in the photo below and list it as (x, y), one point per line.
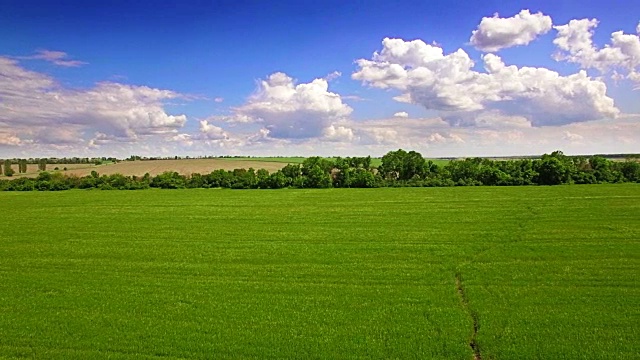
(540, 272)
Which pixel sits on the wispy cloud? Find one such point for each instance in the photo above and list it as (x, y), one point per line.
(59, 58)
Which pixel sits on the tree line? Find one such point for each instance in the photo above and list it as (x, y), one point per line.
(397, 169)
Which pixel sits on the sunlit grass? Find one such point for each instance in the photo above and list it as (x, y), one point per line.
(551, 272)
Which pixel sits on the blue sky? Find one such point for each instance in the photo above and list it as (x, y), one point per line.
(223, 77)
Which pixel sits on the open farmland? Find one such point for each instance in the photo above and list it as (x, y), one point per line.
(32, 169)
(155, 167)
(519, 272)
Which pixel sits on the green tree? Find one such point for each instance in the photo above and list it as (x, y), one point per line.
(292, 171)
(402, 165)
(8, 171)
(263, 179)
(552, 171)
(363, 178)
(366, 163)
(318, 178)
(309, 163)
(630, 169)
(602, 169)
(42, 164)
(278, 180)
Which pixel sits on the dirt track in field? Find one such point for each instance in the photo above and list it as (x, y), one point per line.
(155, 167)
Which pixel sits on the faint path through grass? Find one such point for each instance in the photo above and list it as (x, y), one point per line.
(473, 342)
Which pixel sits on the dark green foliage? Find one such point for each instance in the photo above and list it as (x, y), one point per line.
(402, 165)
(42, 164)
(8, 171)
(630, 170)
(22, 166)
(169, 180)
(397, 169)
(278, 180)
(309, 165)
(292, 171)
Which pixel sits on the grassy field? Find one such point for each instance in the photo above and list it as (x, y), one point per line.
(521, 272)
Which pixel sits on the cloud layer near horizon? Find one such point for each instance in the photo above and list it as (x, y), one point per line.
(35, 107)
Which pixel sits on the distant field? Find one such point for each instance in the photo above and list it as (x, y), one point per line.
(185, 166)
(32, 169)
(286, 160)
(155, 167)
(298, 160)
(539, 272)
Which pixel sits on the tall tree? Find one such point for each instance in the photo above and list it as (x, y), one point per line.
(401, 165)
(22, 166)
(42, 164)
(8, 171)
(552, 171)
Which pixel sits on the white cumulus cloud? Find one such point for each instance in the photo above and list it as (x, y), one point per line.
(35, 106)
(338, 133)
(427, 77)
(575, 44)
(212, 132)
(495, 33)
(401, 114)
(290, 110)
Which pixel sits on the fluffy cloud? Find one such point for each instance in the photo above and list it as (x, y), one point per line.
(447, 83)
(290, 110)
(495, 33)
(35, 106)
(575, 43)
(212, 132)
(401, 114)
(338, 133)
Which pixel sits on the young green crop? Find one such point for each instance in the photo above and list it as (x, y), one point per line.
(549, 272)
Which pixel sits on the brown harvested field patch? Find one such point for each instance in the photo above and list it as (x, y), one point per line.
(155, 167)
(32, 169)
